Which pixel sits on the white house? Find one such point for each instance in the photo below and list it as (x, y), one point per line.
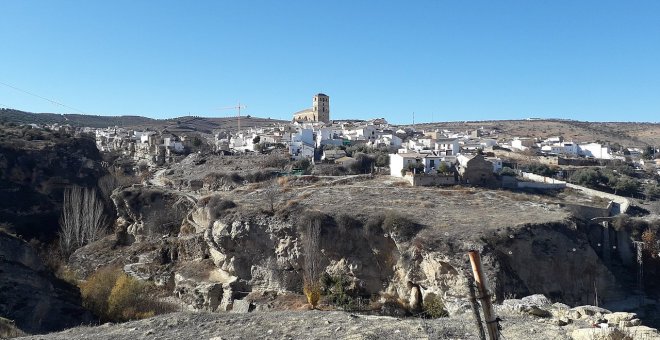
(522, 144)
(388, 140)
(400, 161)
(300, 150)
(303, 135)
(447, 146)
(595, 150)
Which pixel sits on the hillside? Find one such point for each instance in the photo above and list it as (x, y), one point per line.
(623, 133)
(187, 123)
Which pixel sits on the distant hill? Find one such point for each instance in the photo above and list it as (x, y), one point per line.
(623, 133)
(187, 123)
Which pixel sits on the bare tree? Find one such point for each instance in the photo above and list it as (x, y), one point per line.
(83, 219)
(311, 238)
(272, 194)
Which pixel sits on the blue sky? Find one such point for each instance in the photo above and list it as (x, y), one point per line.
(443, 60)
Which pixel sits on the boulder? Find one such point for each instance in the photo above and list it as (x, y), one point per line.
(598, 334)
(591, 311)
(643, 332)
(630, 323)
(536, 300)
(200, 296)
(536, 311)
(617, 317)
(242, 306)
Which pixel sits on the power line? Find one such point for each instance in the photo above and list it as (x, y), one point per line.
(44, 98)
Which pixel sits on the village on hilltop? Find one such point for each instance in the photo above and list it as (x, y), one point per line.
(421, 155)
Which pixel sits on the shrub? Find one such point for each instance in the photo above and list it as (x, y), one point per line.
(275, 161)
(625, 185)
(96, 290)
(399, 226)
(114, 296)
(541, 169)
(312, 292)
(217, 205)
(587, 177)
(506, 171)
(258, 176)
(129, 300)
(303, 164)
(434, 307)
(337, 291)
(651, 191)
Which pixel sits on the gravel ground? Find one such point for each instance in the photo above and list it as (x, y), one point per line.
(302, 325)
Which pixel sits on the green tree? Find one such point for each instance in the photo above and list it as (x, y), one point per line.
(443, 168)
(651, 191)
(587, 177)
(506, 171)
(625, 185)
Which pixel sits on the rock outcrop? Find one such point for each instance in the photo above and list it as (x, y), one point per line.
(35, 167)
(32, 298)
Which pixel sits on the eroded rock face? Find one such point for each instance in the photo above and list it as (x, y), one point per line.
(264, 253)
(555, 260)
(149, 212)
(34, 173)
(35, 300)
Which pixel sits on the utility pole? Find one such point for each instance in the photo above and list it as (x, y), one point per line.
(486, 304)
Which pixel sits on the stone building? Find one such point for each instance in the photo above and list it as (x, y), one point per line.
(475, 170)
(319, 112)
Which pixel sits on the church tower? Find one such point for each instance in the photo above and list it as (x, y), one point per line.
(321, 108)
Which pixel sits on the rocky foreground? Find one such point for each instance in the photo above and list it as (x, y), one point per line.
(528, 318)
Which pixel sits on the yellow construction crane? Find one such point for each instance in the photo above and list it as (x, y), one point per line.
(238, 107)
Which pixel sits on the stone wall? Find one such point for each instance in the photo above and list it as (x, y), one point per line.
(429, 179)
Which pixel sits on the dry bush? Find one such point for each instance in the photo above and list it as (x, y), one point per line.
(650, 238)
(275, 160)
(400, 226)
(217, 206)
(114, 296)
(258, 176)
(434, 307)
(393, 306)
(282, 181)
(129, 300)
(96, 290)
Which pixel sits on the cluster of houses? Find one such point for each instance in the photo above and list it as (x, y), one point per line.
(422, 156)
(152, 147)
(557, 146)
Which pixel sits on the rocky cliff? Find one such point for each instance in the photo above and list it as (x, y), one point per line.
(237, 251)
(35, 167)
(34, 299)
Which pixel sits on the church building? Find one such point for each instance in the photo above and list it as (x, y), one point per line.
(320, 111)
